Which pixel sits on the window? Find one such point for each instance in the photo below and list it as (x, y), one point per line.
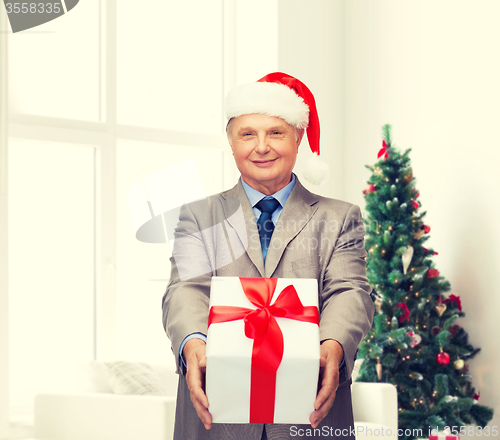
(51, 262)
(99, 98)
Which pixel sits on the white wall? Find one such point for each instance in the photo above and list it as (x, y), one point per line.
(431, 69)
(311, 48)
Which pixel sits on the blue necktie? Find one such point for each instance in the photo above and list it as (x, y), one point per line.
(265, 224)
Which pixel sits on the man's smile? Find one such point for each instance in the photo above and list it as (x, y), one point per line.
(264, 163)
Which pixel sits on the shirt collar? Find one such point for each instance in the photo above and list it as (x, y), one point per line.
(256, 196)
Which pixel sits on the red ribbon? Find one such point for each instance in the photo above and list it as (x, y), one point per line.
(261, 326)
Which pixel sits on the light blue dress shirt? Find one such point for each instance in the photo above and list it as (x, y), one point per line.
(256, 196)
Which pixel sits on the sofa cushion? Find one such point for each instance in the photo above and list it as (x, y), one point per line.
(134, 378)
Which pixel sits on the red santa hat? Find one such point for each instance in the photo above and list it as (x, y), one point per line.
(281, 95)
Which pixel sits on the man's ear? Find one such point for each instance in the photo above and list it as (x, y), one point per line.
(301, 135)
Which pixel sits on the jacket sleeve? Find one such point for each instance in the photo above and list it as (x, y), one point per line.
(185, 303)
(346, 308)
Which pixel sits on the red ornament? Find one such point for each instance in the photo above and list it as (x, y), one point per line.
(443, 358)
(415, 204)
(426, 228)
(476, 395)
(384, 151)
(455, 299)
(416, 196)
(432, 273)
(405, 315)
(370, 188)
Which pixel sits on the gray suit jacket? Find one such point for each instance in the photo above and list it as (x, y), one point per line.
(315, 237)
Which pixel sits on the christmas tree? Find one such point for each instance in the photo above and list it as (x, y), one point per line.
(414, 343)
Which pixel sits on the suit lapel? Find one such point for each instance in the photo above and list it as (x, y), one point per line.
(297, 212)
(247, 231)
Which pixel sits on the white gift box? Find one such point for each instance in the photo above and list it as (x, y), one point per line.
(229, 357)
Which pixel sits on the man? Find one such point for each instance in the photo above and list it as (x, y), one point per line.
(283, 231)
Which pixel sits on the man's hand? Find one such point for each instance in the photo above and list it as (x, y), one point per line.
(331, 353)
(196, 360)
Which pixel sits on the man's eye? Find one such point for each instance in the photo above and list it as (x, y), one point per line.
(277, 132)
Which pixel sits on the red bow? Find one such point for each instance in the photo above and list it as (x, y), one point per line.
(405, 312)
(384, 151)
(261, 326)
(455, 299)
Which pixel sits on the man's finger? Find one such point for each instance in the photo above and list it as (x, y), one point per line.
(196, 365)
(329, 379)
(328, 386)
(319, 414)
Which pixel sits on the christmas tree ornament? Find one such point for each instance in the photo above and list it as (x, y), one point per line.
(454, 329)
(426, 229)
(459, 364)
(378, 368)
(378, 171)
(440, 309)
(456, 300)
(432, 273)
(435, 330)
(370, 189)
(408, 177)
(415, 204)
(378, 304)
(419, 234)
(415, 339)
(443, 358)
(406, 258)
(394, 322)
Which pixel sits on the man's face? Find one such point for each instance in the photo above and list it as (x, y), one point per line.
(265, 150)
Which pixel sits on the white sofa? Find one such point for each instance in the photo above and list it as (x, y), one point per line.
(98, 414)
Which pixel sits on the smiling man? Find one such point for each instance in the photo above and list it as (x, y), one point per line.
(287, 232)
(265, 149)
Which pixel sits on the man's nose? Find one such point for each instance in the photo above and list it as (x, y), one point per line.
(262, 146)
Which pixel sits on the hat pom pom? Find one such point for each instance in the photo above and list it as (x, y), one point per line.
(316, 171)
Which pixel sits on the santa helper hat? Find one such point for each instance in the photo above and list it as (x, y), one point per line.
(281, 95)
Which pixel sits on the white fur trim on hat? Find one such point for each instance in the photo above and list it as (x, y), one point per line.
(316, 171)
(272, 99)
